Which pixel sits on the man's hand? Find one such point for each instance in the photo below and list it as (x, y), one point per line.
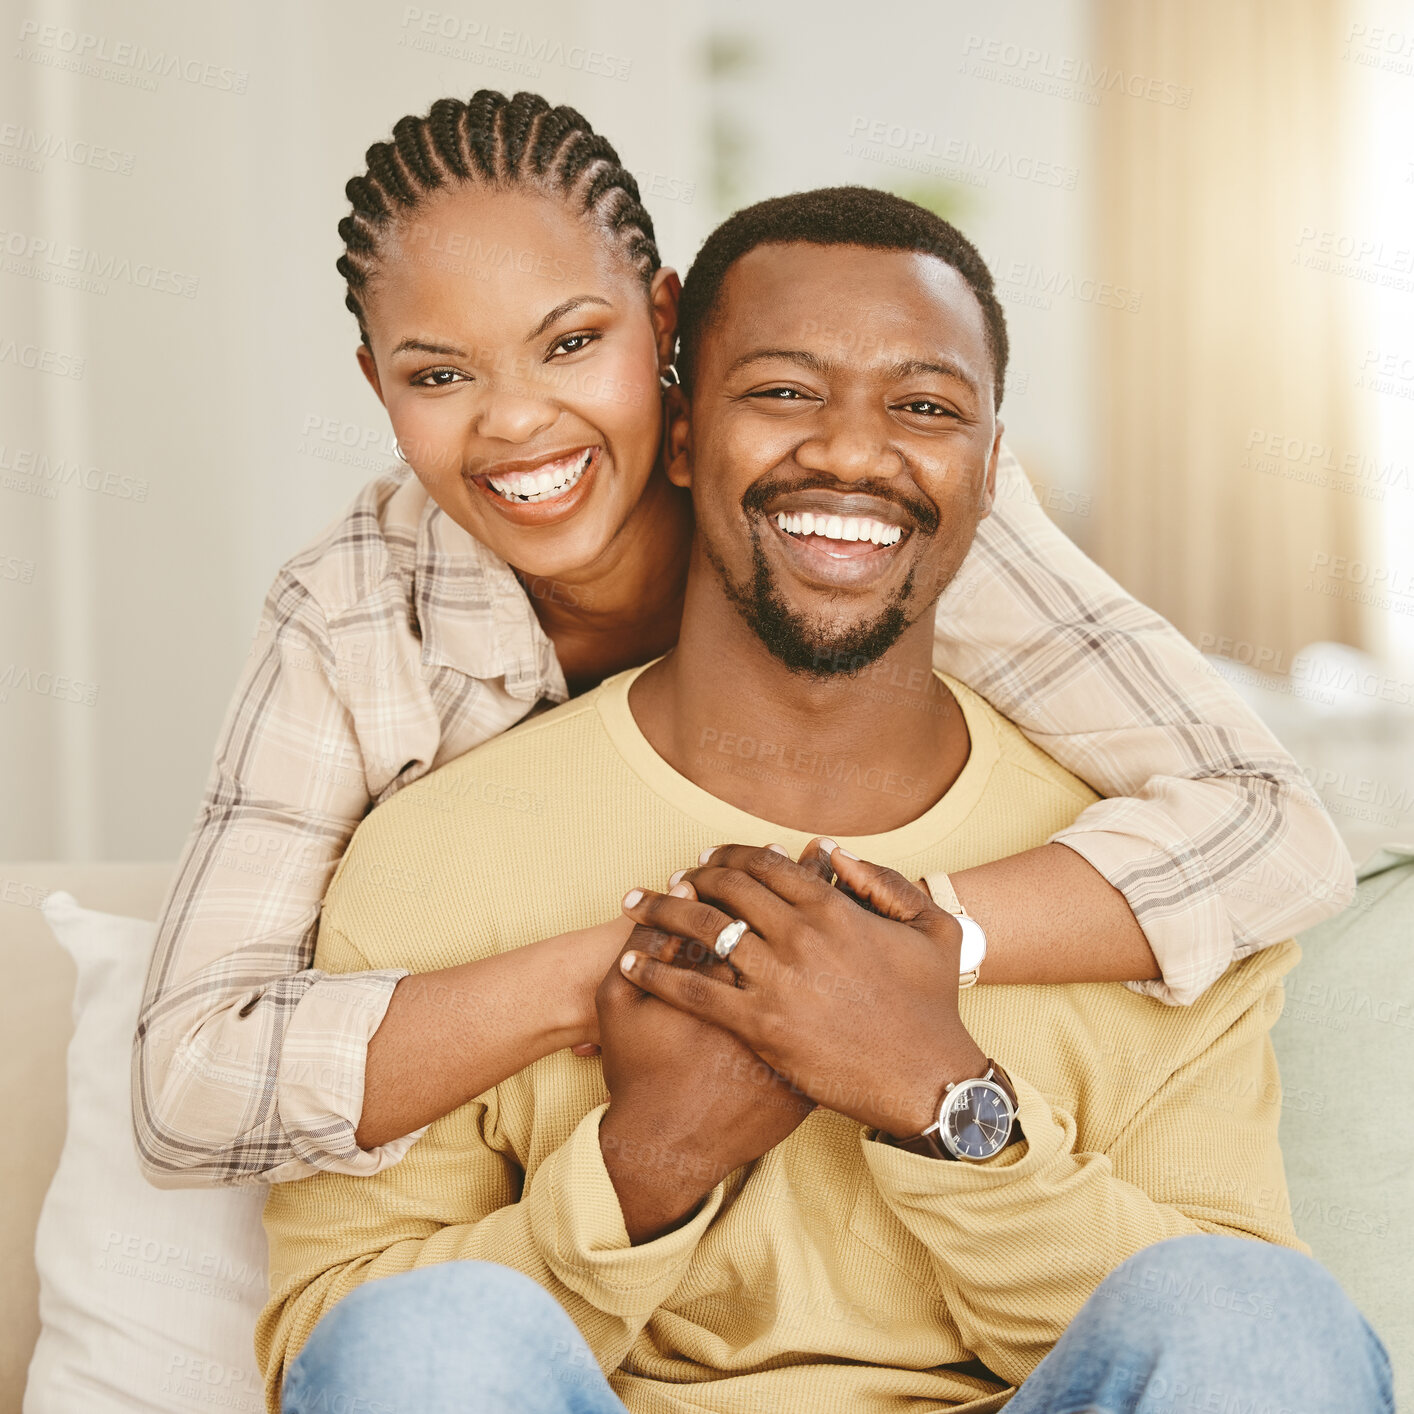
(688, 1101)
(857, 1007)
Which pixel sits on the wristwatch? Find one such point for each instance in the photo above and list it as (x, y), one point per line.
(974, 949)
(976, 1121)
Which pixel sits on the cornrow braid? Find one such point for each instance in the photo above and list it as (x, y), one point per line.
(497, 141)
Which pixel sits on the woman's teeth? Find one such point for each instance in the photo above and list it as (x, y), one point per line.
(839, 527)
(543, 485)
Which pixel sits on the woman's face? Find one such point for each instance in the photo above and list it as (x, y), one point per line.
(517, 353)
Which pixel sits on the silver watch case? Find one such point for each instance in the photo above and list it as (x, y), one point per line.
(954, 1097)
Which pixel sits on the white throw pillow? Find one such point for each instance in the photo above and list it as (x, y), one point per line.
(147, 1297)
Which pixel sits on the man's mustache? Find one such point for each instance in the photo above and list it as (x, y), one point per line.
(922, 513)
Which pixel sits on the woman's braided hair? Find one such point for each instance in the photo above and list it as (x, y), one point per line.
(502, 142)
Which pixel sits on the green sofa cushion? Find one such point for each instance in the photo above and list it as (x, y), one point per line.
(1345, 1044)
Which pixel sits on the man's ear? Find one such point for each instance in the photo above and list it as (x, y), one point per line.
(677, 436)
(663, 296)
(989, 486)
(370, 370)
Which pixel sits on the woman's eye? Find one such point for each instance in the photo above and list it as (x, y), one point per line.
(437, 378)
(573, 343)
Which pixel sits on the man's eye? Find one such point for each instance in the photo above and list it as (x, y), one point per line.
(779, 394)
(925, 407)
(437, 378)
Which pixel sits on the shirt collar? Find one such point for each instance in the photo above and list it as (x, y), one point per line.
(475, 617)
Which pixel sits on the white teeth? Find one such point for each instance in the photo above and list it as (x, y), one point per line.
(844, 528)
(541, 485)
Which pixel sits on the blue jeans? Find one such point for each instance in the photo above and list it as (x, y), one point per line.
(1193, 1324)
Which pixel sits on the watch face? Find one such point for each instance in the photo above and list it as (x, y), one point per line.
(978, 1120)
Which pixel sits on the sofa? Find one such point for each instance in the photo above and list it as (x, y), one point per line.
(1345, 1043)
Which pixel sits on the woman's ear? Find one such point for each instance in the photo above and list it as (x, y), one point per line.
(370, 370)
(677, 436)
(663, 295)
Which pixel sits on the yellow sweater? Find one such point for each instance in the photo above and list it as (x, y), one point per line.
(835, 1273)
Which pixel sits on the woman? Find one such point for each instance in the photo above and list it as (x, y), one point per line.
(518, 327)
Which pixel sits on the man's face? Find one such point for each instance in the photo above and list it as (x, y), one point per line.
(841, 445)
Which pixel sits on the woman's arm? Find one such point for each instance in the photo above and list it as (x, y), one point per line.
(249, 1063)
(1212, 844)
(1051, 917)
(451, 1035)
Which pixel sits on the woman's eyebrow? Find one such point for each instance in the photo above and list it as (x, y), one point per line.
(560, 310)
(425, 346)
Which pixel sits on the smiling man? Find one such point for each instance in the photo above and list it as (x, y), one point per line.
(1070, 1189)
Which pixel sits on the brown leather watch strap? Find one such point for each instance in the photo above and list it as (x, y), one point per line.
(929, 1145)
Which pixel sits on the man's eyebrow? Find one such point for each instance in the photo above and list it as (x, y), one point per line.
(427, 346)
(560, 310)
(945, 368)
(803, 357)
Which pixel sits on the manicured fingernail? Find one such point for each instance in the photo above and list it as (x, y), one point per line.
(680, 891)
(827, 847)
(633, 898)
(627, 961)
(676, 878)
(780, 849)
(846, 853)
(706, 854)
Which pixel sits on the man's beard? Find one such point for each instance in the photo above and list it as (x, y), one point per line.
(804, 646)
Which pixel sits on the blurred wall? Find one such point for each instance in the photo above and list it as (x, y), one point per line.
(182, 411)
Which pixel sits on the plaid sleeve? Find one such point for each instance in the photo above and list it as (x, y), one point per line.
(248, 1063)
(1209, 830)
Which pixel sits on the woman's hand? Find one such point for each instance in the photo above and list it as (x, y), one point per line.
(580, 960)
(857, 1006)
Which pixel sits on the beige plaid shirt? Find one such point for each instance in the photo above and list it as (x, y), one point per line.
(397, 642)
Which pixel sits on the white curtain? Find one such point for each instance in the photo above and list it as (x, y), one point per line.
(1228, 396)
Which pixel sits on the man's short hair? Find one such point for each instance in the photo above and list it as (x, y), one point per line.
(858, 216)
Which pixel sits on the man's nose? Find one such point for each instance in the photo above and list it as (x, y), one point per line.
(850, 443)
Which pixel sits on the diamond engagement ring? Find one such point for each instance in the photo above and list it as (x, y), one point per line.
(728, 938)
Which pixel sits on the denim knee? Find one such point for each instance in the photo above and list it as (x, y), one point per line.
(1238, 1293)
(453, 1300)
(1204, 1278)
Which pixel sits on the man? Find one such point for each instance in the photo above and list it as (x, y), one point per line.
(947, 1185)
